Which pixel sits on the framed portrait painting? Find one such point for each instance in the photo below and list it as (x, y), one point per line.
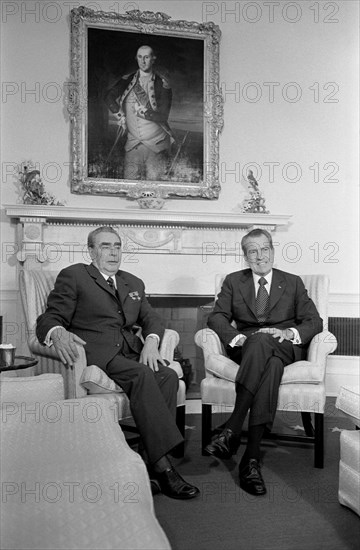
(145, 104)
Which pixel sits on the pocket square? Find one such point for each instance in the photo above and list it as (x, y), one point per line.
(134, 295)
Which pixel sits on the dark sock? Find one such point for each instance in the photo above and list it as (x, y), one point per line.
(255, 434)
(162, 464)
(243, 402)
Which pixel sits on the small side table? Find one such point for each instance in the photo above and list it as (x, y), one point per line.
(21, 362)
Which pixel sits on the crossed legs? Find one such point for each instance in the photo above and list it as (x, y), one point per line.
(262, 359)
(261, 365)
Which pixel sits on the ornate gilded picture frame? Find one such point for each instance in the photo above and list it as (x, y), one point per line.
(123, 137)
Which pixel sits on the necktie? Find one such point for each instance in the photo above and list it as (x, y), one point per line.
(110, 282)
(262, 301)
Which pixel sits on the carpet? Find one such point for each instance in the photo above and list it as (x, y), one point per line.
(300, 511)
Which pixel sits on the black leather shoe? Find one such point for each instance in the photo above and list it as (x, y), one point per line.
(251, 479)
(173, 485)
(155, 487)
(224, 445)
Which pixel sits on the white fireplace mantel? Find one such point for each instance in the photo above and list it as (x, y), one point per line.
(136, 216)
(179, 251)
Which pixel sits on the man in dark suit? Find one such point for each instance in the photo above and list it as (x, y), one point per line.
(275, 321)
(97, 305)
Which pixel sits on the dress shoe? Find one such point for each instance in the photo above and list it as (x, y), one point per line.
(251, 479)
(224, 445)
(155, 487)
(173, 485)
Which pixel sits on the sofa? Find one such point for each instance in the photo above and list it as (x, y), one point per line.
(69, 479)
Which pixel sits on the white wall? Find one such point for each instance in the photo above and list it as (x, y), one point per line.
(315, 53)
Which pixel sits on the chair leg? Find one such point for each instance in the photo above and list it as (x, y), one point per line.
(179, 451)
(319, 441)
(308, 427)
(206, 425)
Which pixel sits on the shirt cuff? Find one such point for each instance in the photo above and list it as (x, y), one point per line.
(47, 340)
(235, 340)
(153, 335)
(296, 340)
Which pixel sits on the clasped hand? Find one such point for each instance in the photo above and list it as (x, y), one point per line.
(65, 345)
(277, 333)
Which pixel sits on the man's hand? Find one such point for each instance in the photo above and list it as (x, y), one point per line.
(150, 354)
(65, 345)
(286, 334)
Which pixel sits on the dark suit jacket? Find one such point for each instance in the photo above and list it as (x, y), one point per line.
(289, 306)
(84, 304)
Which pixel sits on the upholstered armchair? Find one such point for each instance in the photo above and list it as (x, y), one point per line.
(302, 387)
(83, 379)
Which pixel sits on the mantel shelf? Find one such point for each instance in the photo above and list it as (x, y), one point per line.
(137, 216)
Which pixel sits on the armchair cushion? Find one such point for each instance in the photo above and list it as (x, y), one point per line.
(95, 380)
(301, 372)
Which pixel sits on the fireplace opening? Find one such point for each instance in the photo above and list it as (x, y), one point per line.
(186, 314)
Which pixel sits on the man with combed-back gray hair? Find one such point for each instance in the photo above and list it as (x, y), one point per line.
(275, 321)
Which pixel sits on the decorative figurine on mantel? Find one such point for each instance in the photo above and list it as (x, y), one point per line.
(34, 190)
(256, 202)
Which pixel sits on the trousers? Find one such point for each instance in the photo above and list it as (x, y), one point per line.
(153, 398)
(261, 362)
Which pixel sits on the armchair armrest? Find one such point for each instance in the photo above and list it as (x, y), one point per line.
(320, 346)
(43, 351)
(167, 348)
(168, 344)
(313, 370)
(49, 362)
(209, 341)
